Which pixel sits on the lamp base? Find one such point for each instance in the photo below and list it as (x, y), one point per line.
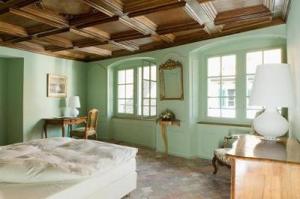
(74, 112)
(270, 124)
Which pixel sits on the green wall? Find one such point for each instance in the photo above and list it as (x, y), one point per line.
(14, 100)
(11, 100)
(190, 139)
(35, 105)
(293, 49)
(3, 86)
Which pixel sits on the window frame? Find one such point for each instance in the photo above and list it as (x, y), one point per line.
(221, 77)
(240, 84)
(134, 66)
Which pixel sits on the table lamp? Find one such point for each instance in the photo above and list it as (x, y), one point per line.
(272, 89)
(73, 104)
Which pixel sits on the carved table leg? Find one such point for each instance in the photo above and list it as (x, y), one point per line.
(164, 136)
(45, 130)
(214, 163)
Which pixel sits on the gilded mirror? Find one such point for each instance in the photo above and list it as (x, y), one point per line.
(171, 80)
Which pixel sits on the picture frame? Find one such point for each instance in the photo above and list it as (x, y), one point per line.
(56, 86)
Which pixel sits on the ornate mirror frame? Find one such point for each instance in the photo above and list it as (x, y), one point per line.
(170, 65)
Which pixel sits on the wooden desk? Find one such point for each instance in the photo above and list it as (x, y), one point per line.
(163, 129)
(265, 169)
(63, 121)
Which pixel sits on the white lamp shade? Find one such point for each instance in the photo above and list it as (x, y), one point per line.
(74, 102)
(272, 86)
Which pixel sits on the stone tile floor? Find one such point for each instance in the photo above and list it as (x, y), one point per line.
(178, 178)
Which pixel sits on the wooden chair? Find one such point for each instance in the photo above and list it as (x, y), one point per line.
(90, 128)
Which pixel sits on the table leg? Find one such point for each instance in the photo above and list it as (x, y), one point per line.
(63, 130)
(165, 137)
(45, 130)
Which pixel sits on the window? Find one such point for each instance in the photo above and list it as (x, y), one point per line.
(147, 90)
(125, 91)
(221, 86)
(253, 59)
(136, 91)
(229, 80)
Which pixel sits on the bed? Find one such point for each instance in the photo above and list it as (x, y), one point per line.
(57, 168)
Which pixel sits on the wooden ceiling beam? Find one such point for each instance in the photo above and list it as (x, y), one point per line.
(39, 17)
(96, 51)
(4, 8)
(88, 43)
(89, 20)
(130, 46)
(39, 35)
(52, 32)
(57, 48)
(171, 28)
(204, 12)
(128, 35)
(243, 14)
(108, 7)
(11, 29)
(157, 6)
(57, 41)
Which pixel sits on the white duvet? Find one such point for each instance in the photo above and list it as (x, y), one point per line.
(59, 159)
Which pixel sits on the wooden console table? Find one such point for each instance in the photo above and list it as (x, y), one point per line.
(62, 122)
(265, 169)
(163, 129)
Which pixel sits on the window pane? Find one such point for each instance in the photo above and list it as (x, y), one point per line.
(121, 77)
(139, 94)
(146, 110)
(250, 80)
(129, 106)
(214, 113)
(252, 107)
(129, 91)
(213, 89)
(121, 91)
(153, 110)
(253, 60)
(272, 56)
(129, 76)
(228, 86)
(252, 110)
(153, 102)
(228, 113)
(146, 89)
(146, 73)
(213, 102)
(214, 66)
(228, 65)
(251, 114)
(153, 72)
(228, 102)
(129, 109)
(121, 106)
(153, 90)
(146, 102)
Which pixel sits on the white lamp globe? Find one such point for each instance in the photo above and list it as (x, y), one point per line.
(272, 89)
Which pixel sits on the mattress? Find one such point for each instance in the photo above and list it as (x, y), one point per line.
(58, 168)
(59, 159)
(75, 190)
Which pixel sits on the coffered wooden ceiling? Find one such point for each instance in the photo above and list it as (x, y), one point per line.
(89, 30)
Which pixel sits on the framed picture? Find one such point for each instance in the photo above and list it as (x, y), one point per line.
(56, 86)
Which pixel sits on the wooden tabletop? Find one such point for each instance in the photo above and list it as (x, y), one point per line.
(65, 118)
(255, 147)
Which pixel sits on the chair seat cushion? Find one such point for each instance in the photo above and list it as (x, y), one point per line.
(80, 132)
(221, 155)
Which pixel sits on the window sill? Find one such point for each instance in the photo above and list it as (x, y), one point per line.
(135, 118)
(225, 124)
